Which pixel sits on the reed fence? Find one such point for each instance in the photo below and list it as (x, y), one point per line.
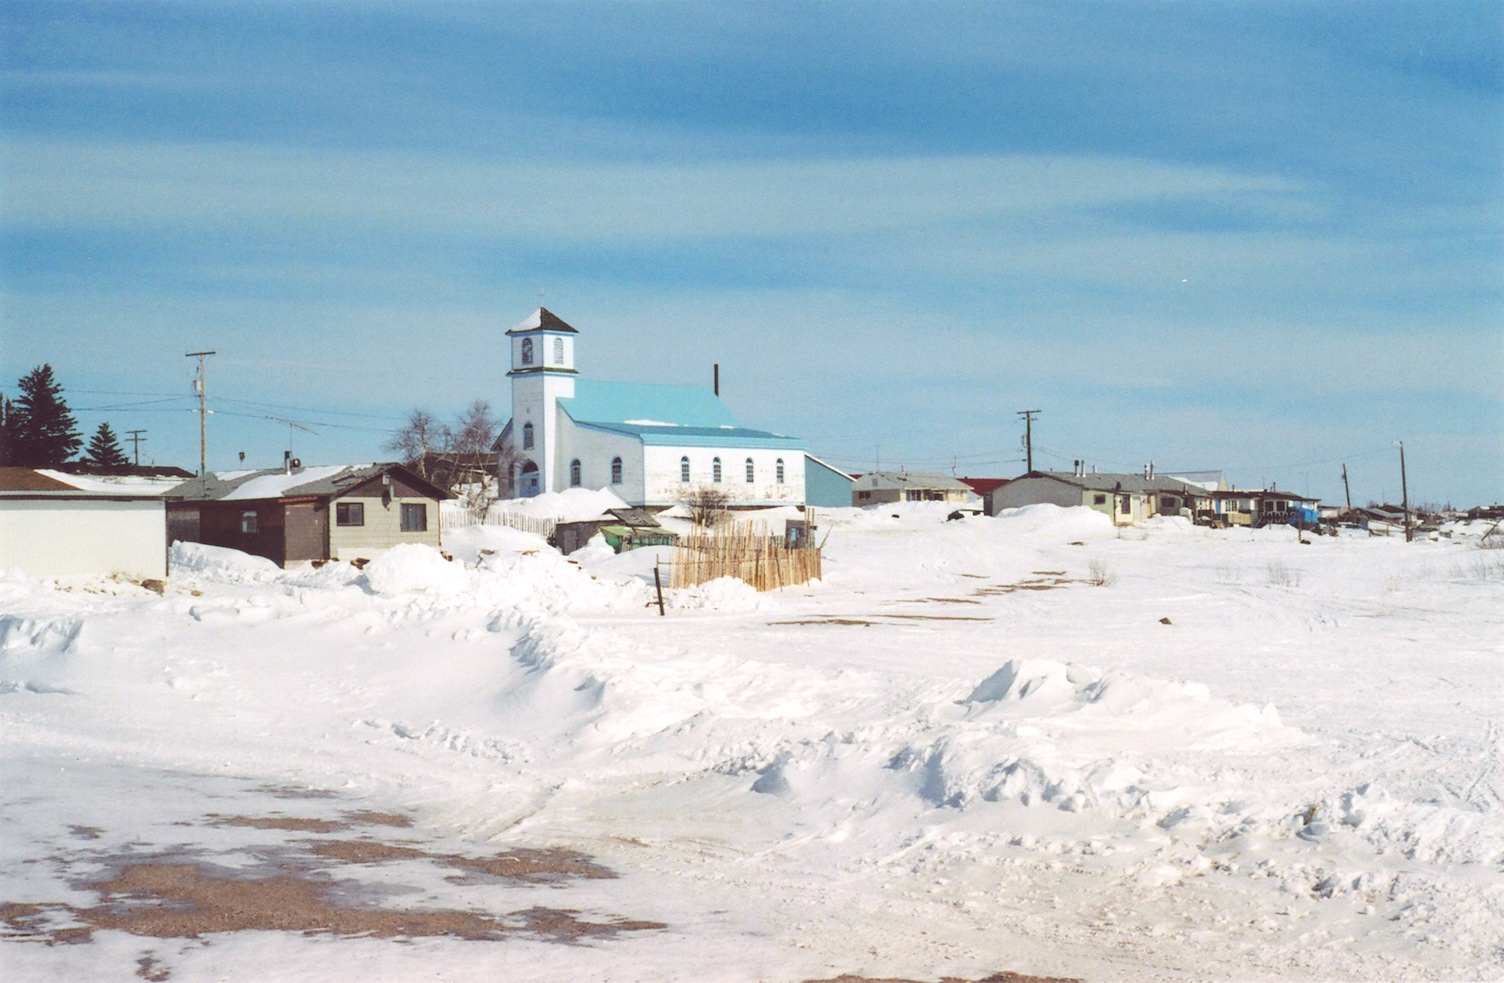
(744, 551)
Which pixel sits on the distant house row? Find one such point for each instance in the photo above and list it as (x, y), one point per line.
(55, 523)
(1131, 498)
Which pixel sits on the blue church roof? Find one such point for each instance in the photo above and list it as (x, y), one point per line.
(641, 404)
(659, 414)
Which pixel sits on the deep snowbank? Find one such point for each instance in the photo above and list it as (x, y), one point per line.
(1175, 753)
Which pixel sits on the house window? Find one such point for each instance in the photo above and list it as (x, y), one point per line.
(574, 473)
(778, 471)
(527, 351)
(414, 517)
(751, 471)
(684, 470)
(715, 471)
(349, 513)
(558, 351)
(863, 495)
(1099, 500)
(527, 436)
(248, 523)
(616, 471)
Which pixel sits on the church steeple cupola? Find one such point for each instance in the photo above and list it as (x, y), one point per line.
(542, 343)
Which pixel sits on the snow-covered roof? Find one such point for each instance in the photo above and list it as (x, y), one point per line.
(272, 483)
(542, 319)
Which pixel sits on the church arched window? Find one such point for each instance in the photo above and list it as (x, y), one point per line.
(558, 351)
(527, 351)
(778, 471)
(574, 473)
(751, 471)
(684, 470)
(616, 471)
(527, 436)
(715, 471)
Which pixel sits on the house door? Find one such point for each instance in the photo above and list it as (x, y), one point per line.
(527, 485)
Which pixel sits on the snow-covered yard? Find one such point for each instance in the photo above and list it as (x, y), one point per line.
(1024, 744)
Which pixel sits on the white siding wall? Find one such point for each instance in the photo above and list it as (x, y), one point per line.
(595, 449)
(535, 400)
(79, 537)
(382, 528)
(1037, 491)
(543, 351)
(663, 485)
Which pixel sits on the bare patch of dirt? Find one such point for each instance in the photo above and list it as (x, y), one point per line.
(937, 600)
(162, 897)
(534, 866)
(367, 817)
(307, 886)
(1046, 580)
(994, 978)
(935, 617)
(859, 622)
(295, 824)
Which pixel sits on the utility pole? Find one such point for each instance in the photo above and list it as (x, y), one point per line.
(1405, 494)
(135, 439)
(1346, 489)
(1028, 416)
(203, 412)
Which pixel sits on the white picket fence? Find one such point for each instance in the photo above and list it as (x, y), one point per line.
(459, 518)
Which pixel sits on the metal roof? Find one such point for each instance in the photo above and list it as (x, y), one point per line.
(646, 405)
(1112, 481)
(702, 436)
(911, 479)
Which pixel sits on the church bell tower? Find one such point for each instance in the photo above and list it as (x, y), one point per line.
(542, 373)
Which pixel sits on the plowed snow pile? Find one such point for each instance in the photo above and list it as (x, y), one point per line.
(1030, 744)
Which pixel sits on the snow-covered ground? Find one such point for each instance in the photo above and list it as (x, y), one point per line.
(1026, 744)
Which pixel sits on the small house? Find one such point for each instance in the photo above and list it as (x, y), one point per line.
(1264, 507)
(1125, 498)
(296, 515)
(53, 524)
(886, 487)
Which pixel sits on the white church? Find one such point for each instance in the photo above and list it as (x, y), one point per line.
(650, 444)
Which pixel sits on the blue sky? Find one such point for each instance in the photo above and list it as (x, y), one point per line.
(1257, 237)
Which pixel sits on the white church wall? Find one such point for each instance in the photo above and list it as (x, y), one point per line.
(594, 449)
(663, 472)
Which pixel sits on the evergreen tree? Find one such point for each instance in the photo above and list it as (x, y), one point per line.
(105, 450)
(42, 430)
(7, 411)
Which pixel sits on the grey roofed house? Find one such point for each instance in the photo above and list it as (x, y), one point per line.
(1126, 498)
(292, 515)
(879, 487)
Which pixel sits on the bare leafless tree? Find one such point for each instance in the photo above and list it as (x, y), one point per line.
(709, 505)
(419, 437)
